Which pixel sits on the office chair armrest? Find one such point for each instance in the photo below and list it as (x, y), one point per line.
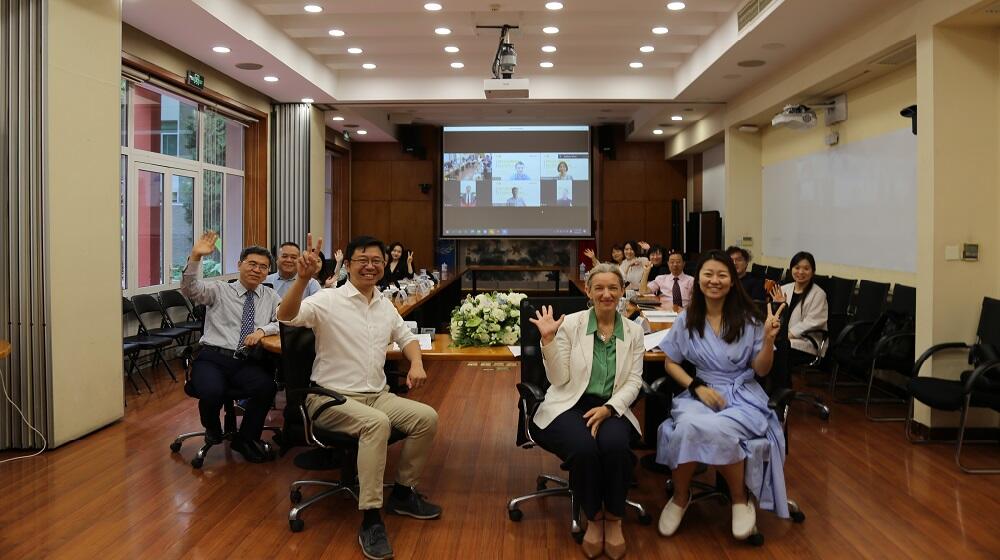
(532, 394)
(977, 373)
(336, 399)
(779, 401)
(849, 329)
(883, 342)
(656, 387)
(933, 350)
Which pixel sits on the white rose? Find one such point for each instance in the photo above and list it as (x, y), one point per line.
(499, 314)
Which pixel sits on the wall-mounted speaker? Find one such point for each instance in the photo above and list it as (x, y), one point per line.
(606, 141)
(409, 141)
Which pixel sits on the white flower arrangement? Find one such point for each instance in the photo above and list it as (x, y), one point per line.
(487, 320)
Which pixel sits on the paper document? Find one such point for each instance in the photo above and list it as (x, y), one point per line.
(652, 340)
(423, 339)
(515, 350)
(659, 315)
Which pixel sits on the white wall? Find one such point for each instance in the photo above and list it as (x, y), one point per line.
(713, 179)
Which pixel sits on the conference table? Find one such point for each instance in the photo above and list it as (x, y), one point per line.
(441, 300)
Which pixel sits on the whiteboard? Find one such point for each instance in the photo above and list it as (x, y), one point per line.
(854, 204)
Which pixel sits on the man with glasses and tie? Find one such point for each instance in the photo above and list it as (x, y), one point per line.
(674, 288)
(238, 315)
(354, 325)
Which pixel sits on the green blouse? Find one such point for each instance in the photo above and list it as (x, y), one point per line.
(602, 373)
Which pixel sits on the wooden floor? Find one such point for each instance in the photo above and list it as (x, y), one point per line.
(119, 493)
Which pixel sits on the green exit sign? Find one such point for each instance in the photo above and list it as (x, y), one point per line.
(195, 79)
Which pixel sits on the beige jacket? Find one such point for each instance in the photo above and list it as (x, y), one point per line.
(568, 360)
(807, 315)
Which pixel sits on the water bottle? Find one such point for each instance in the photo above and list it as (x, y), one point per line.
(583, 271)
(444, 271)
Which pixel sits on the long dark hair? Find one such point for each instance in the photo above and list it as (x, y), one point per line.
(738, 309)
(799, 257)
(388, 252)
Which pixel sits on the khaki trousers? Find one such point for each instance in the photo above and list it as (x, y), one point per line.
(370, 417)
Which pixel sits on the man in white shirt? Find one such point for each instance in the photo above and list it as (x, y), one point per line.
(288, 257)
(515, 200)
(354, 325)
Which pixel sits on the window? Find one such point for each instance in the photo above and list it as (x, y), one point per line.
(182, 173)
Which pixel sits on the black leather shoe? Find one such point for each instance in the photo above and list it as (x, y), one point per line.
(415, 506)
(252, 450)
(213, 438)
(374, 542)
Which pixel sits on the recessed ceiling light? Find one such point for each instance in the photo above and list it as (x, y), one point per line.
(432, 6)
(451, 49)
(657, 131)
(551, 30)
(676, 118)
(368, 66)
(660, 30)
(549, 48)
(457, 65)
(361, 131)
(546, 64)
(355, 50)
(221, 50)
(635, 65)
(337, 118)
(443, 31)
(647, 48)
(676, 6)
(313, 8)
(753, 63)
(336, 32)
(554, 5)
(307, 99)
(270, 78)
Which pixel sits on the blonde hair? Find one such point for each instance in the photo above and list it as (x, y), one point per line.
(604, 268)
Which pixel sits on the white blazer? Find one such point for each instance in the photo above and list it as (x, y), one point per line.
(808, 315)
(568, 361)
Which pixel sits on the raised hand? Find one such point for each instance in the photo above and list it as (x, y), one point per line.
(777, 296)
(589, 253)
(772, 324)
(647, 266)
(309, 262)
(546, 323)
(339, 256)
(643, 245)
(205, 245)
(409, 257)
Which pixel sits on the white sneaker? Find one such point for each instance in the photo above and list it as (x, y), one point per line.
(744, 520)
(670, 517)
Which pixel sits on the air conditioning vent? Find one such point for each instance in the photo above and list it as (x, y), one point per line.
(901, 56)
(749, 12)
(993, 9)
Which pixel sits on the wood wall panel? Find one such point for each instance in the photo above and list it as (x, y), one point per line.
(623, 180)
(371, 180)
(408, 219)
(407, 176)
(696, 203)
(369, 218)
(623, 221)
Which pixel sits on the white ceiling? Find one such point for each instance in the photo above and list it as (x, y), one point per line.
(694, 66)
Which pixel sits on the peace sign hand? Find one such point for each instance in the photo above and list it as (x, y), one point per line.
(772, 324)
(547, 325)
(409, 257)
(309, 262)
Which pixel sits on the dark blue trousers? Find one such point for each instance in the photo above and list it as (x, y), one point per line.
(216, 377)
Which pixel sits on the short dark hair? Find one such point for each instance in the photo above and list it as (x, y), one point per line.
(363, 242)
(735, 249)
(256, 250)
(656, 249)
(290, 244)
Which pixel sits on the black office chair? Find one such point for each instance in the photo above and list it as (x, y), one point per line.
(851, 351)
(895, 349)
(778, 386)
(298, 351)
(978, 388)
(774, 273)
(757, 270)
(532, 392)
(229, 427)
(144, 340)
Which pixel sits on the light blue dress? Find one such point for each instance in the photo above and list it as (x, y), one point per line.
(745, 429)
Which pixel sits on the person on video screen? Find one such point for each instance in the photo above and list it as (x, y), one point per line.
(519, 174)
(514, 199)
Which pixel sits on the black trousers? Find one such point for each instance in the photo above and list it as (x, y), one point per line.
(216, 376)
(798, 358)
(600, 470)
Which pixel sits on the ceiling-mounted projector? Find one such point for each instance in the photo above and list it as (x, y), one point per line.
(795, 116)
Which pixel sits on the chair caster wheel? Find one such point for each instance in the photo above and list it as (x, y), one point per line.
(197, 462)
(798, 516)
(295, 496)
(296, 525)
(578, 537)
(756, 539)
(645, 519)
(824, 413)
(515, 514)
(175, 447)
